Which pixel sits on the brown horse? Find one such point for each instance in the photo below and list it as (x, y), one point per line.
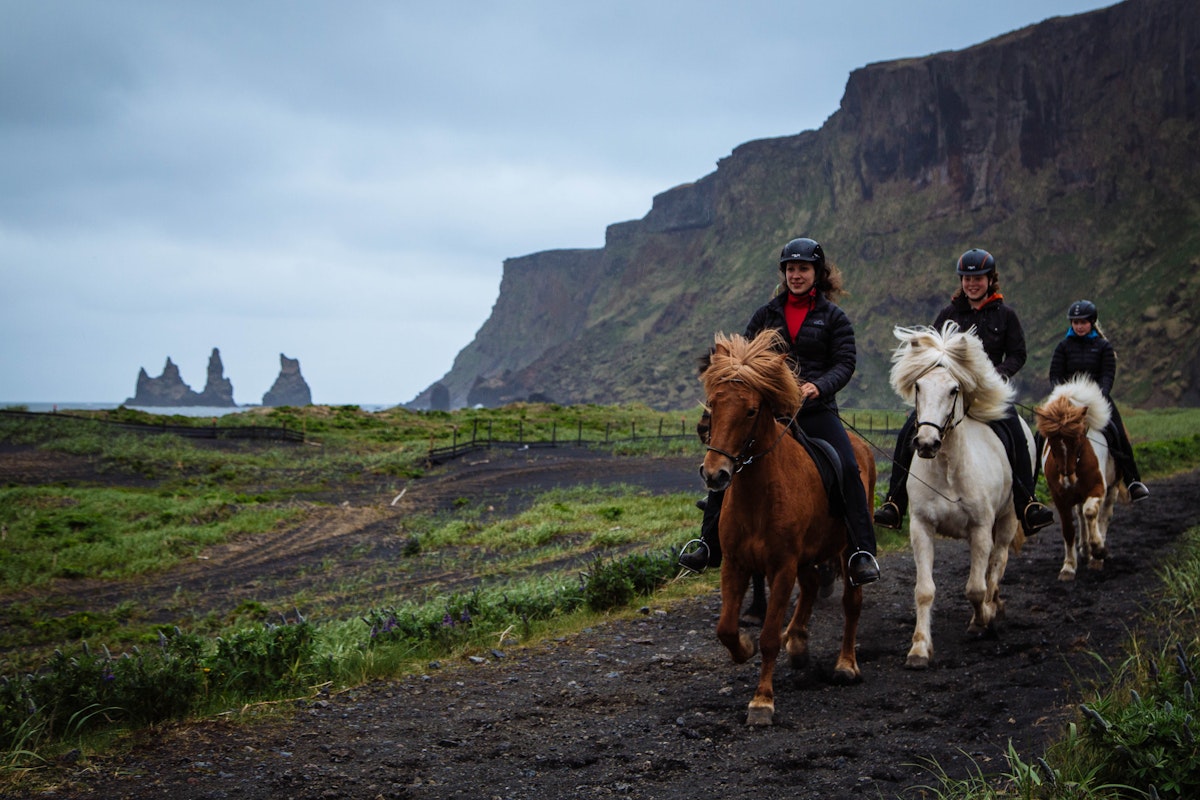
(1081, 474)
(776, 518)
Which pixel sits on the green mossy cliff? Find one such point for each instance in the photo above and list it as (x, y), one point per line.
(1069, 149)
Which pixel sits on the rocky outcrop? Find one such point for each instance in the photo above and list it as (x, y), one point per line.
(1067, 149)
(169, 389)
(290, 388)
(218, 390)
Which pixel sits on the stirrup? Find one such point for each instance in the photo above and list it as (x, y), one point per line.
(1035, 524)
(888, 516)
(870, 573)
(701, 550)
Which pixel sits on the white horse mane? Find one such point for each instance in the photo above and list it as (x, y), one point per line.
(986, 394)
(1082, 391)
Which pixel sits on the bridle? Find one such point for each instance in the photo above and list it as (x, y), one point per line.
(952, 419)
(741, 460)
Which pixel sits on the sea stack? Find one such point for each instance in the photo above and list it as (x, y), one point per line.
(290, 388)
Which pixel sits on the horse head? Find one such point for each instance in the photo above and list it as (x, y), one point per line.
(946, 376)
(939, 405)
(746, 383)
(1064, 420)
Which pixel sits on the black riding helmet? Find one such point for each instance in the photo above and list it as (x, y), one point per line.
(976, 262)
(802, 249)
(1082, 309)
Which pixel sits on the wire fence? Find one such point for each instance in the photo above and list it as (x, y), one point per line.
(214, 431)
(876, 426)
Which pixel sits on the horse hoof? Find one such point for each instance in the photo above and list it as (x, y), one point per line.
(980, 632)
(1096, 563)
(1066, 575)
(845, 677)
(760, 715)
(798, 661)
(917, 662)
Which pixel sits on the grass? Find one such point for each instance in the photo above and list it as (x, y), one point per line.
(551, 568)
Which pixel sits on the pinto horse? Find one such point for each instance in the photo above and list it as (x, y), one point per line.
(776, 518)
(1080, 471)
(961, 486)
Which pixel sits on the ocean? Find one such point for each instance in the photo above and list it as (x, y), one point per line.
(183, 411)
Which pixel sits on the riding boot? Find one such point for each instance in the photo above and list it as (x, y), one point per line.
(699, 554)
(1122, 452)
(861, 566)
(891, 513)
(1033, 515)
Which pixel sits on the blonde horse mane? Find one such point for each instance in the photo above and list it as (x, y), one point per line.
(758, 363)
(986, 394)
(1071, 406)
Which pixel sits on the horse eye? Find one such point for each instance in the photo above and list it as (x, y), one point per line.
(954, 391)
(752, 412)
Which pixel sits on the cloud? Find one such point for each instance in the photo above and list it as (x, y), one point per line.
(342, 182)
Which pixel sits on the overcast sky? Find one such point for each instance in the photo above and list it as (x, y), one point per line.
(341, 181)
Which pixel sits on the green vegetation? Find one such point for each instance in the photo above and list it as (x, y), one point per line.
(565, 558)
(154, 499)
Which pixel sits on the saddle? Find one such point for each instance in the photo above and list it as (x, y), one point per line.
(1012, 449)
(829, 466)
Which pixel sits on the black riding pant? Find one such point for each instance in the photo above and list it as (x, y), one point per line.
(1122, 450)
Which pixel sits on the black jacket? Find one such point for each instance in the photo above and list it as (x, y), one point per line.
(1090, 355)
(823, 352)
(997, 327)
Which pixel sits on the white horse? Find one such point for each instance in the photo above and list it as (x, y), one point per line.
(961, 486)
(1080, 471)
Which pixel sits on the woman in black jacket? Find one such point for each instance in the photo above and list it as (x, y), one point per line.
(1085, 350)
(821, 348)
(979, 304)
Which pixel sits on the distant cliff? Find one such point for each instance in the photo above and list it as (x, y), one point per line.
(168, 389)
(1068, 149)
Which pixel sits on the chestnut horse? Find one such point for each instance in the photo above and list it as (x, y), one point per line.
(961, 486)
(776, 518)
(1080, 472)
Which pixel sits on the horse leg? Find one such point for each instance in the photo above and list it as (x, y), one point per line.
(733, 588)
(920, 655)
(796, 636)
(1095, 542)
(982, 548)
(754, 613)
(1105, 516)
(1005, 531)
(846, 670)
(762, 706)
(1066, 518)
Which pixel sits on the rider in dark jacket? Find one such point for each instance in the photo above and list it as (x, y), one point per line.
(821, 348)
(1085, 350)
(981, 305)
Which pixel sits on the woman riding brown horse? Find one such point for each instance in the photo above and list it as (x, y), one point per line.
(817, 339)
(777, 519)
